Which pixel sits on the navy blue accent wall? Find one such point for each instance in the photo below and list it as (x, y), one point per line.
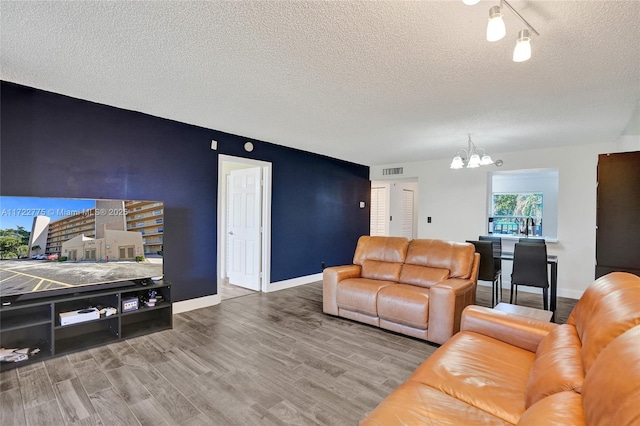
(54, 145)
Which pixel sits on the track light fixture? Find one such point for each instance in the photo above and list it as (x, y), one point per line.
(522, 52)
(471, 156)
(496, 29)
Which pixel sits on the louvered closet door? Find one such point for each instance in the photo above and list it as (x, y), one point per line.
(379, 209)
(407, 213)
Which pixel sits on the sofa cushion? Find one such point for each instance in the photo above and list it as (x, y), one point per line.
(360, 294)
(558, 366)
(480, 371)
(611, 388)
(590, 299)
(455, 257)
(422, 276)
(378, 270)
(384, 249)
(417, 404)
(404, 304)
(608, 308)
(561, 409)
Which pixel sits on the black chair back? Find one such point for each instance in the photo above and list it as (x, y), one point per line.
(532, 240)
(530, 265)
(497, 249)
(486, 270)
(497, 244)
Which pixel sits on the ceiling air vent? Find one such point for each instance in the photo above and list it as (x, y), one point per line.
(392, 171)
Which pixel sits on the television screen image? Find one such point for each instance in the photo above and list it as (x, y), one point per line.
(64, 243)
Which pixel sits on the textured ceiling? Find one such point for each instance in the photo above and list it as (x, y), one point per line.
(369, 82)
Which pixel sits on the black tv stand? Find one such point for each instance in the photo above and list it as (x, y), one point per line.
(36, 323)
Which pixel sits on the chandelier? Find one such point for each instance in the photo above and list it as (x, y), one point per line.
(471, 158)
(496, 30)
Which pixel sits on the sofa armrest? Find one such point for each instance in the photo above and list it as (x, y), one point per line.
(330, 279)
(447, 299)
(516, 330)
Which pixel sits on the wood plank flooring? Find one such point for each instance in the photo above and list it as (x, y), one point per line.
(229, 291)
(259, 359)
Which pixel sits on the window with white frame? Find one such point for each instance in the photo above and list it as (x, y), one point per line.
(524, 202)
(517, 213)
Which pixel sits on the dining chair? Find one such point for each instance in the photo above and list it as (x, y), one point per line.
(497, 249)
(487, 270)
(530, 269)
(532, 240)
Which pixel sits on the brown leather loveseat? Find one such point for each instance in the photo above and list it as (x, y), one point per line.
(418, 287)
(504, 369)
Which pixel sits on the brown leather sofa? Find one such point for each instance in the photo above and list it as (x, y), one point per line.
(418, 287)
(504, 369)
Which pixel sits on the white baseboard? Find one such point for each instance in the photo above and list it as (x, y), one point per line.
(197, 303)
(216, 299)
(294, 282)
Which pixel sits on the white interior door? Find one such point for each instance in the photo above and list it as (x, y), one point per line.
(407, 213)
(243, 227)
(379, 211)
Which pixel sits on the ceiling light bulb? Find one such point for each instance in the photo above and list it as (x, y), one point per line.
(486, 160)
(522, 52)
(474, 161)
(495, 28)
(470, 2)
(457, 162)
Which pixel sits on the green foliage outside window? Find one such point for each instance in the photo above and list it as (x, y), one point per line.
(517, 213)
(517, 205)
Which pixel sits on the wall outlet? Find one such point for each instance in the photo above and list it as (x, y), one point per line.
(428, 219)
(323, 265)
(214, 145)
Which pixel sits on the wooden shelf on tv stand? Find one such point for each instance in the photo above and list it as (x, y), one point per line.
(35, 323)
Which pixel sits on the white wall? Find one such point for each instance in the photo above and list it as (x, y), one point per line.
(457, 202)
(630, 138)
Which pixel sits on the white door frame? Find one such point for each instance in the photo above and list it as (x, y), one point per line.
(266, 218)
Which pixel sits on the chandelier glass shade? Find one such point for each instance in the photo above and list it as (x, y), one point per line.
(471, 157)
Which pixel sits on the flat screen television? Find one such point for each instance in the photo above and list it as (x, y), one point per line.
(51, 246)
